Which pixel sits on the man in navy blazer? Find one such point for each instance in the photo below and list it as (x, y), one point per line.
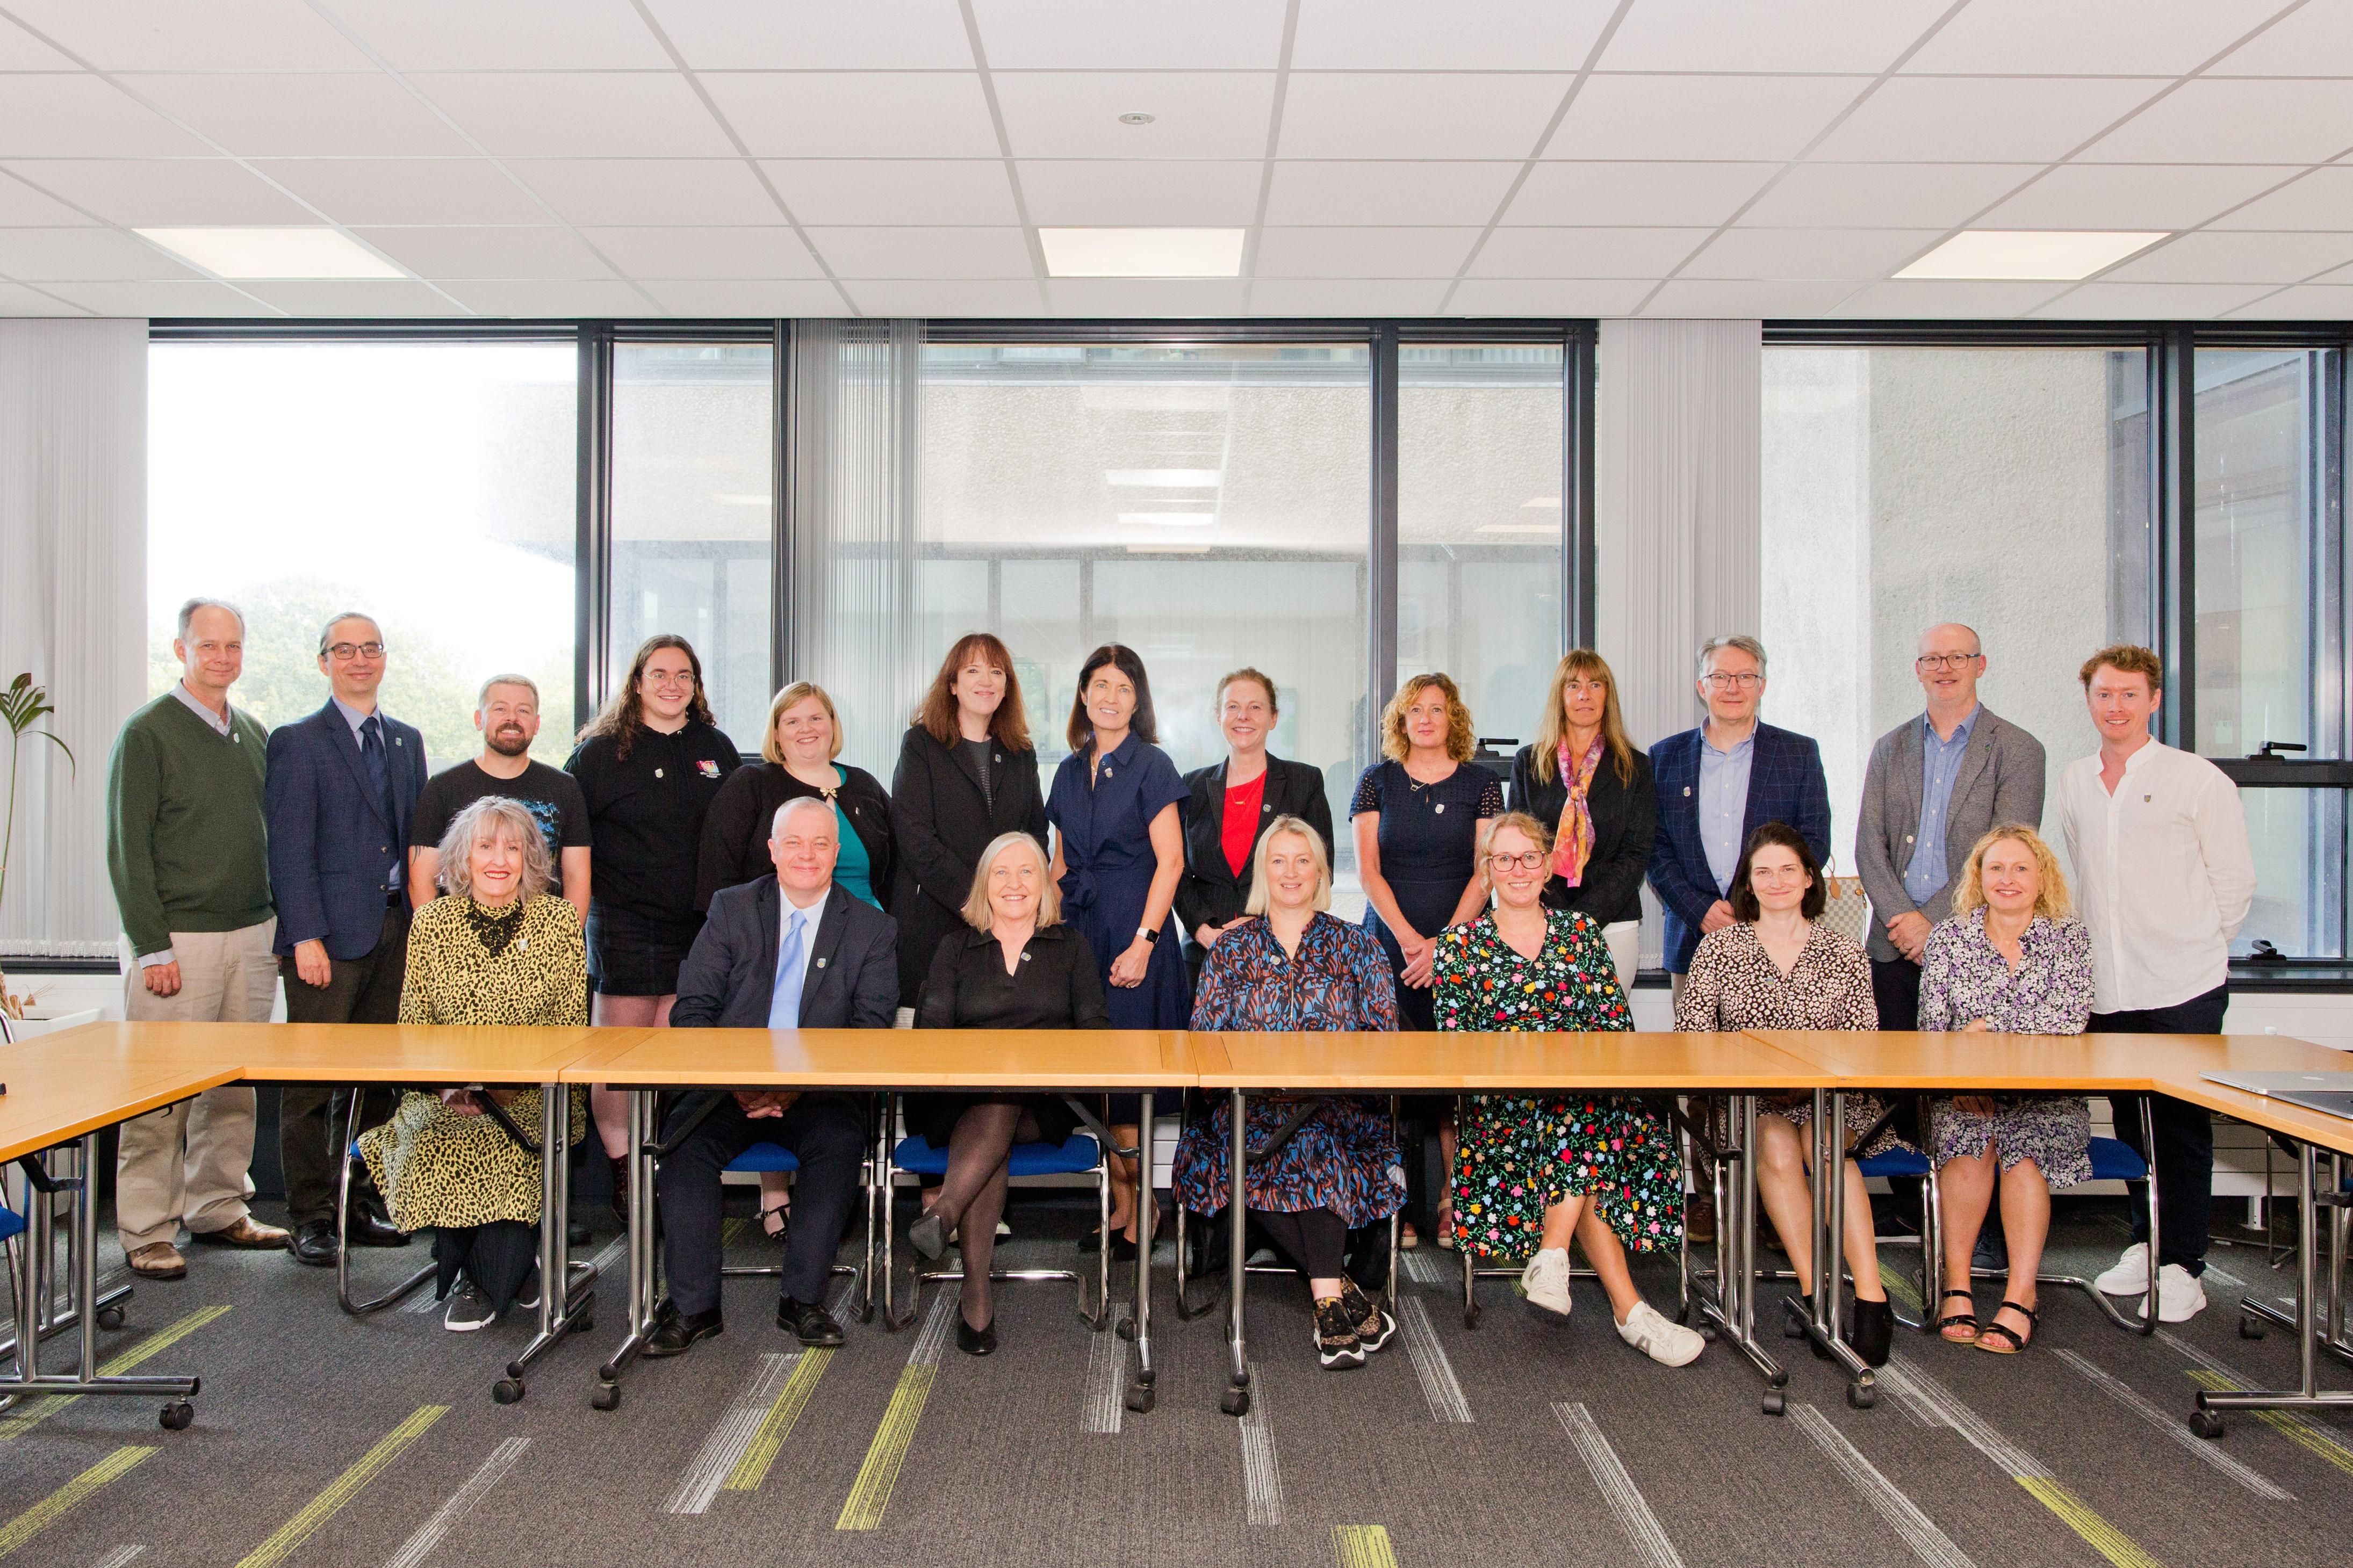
(342, 786)
(1717, 784)
(791, 951)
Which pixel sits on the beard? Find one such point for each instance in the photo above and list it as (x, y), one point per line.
(508, 742)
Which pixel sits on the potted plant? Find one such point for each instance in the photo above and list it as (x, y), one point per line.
(22, 706)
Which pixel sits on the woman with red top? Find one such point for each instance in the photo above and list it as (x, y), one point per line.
(1230, 807)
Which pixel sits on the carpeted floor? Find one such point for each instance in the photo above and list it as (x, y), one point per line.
(321, 1439)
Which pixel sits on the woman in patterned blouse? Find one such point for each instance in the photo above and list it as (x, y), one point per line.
(2011, 961)
(1778, 966)
(1529, 1172)
(1289, 966)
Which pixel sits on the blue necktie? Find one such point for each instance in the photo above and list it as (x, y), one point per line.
(379, 773)
(784, 1009)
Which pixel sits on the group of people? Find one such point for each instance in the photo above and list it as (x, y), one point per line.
(661, 879)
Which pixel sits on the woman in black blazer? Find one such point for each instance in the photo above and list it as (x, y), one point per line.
(966, 773)
(1231, 804)
(1585, 780)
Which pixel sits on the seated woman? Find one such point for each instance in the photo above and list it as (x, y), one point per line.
(1287, 964)
(1778, 966)
(498, 950)
(2011, 961)
(1019, 967)
(1530, 1173)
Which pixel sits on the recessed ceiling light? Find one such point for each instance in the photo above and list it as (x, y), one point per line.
(1162, 477)
(1551, 528)
(1168, 550)
(1141, 252)
(1171, 519)
(273, 252)
(2054, 255)
(1541, 503)
(1135, 119)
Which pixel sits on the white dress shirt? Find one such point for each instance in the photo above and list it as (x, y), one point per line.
(2163, 875)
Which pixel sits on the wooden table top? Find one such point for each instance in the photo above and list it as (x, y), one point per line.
(890, 1058)
(63, 1084)
(373, 1053)
(2096, 1064)
(1447, 1062)
(2313, 1127)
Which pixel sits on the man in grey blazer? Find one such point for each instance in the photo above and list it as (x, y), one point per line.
(1934, 786)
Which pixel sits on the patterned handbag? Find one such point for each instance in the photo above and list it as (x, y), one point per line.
(1845, 908)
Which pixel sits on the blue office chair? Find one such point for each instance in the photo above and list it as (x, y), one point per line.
(344, 1243)
(764, 1159)
(2113, 1160)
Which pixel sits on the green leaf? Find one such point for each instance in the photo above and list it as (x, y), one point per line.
(70, 760)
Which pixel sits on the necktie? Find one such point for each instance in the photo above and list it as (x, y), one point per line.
(784, 1009)
(379, 772)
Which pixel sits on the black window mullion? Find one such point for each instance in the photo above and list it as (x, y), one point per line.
(2177, 500)
(592, 591)
(1381, 550)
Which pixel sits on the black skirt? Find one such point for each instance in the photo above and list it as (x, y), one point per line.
(628, 956)
(932, 1117)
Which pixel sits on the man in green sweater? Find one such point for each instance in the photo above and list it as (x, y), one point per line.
(190, 859)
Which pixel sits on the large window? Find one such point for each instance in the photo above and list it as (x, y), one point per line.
(426, 484)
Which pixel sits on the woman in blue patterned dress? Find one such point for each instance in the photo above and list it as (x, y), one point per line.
(1530, 1173)
(1289, 966)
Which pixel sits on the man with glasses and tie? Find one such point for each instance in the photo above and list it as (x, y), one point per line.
(791, 951)
(342, 786)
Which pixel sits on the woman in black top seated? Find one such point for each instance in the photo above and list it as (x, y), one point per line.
(1018, 967)
(1231, 806)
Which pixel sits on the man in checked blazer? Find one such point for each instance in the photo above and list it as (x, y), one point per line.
(1932, 787)
(1717, 784)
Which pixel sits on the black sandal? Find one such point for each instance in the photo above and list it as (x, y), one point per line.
(1958, 1320)
(776, 1223)
(2006, 1331)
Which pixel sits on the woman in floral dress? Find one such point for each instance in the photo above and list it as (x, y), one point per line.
(1530, 1173)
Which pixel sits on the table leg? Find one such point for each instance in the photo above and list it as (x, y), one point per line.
(1827, 1330)
(564, 1305)
(640, 1247)
(2207, 1419)
(1140, 1395)
(1731, 1306)
(1237, 1397)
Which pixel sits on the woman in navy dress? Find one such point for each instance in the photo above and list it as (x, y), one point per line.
(1119, 853)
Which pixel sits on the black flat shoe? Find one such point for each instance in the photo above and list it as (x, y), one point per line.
(678, 1333)
(1122, 1247)
(1873, 1333)
(367, 1226)
(929, 1235)
(975, 1341)
(809, 1322)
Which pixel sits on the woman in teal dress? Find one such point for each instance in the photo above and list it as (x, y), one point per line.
(1531, 1171)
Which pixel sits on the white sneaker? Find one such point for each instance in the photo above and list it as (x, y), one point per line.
(2180, 1295)
(1668, 1343)
(2128, 1276)
(1544, 1282)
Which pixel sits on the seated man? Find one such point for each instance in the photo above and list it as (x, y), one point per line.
(788, 950)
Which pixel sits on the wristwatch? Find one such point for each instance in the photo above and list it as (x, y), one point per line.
(1149, 933)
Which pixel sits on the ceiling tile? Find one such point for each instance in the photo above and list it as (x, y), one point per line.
(20, 204)
(872, 34)
(83, 117)
(2148, 302)
(1347, 296)
(1849, 255)
(1411, 35)
(20, 52)
(552, 299)
(1086, 35)
(1852, 36)
(1312, 193)
(376, 299)
(2308, 303)
(1145, 297)
(2220, 257)
(2112, 38)
(882, 114)
(143, 193)
(892, 298)
(973, 253)
(406, 190)
(1163, 192)
(1707, 298)
(170, 34)
(1362, 252)
(511, 35)
(1515, 297)
(1636, 195)
(1585, 252)
(2132, 196)
(1945, 299)
(579, 115)
(2237, 123)
(310, 115)
(895, 190)
(1195, 114)
(626, 190)
(492, 253)
(163, 298)
(2311, 40)
(1884, 195)
(1418, 115)
(2319, 200)
(772, 252)
(1679, 117)
(22, 299)
(755, 300)
(38, 255)
(1959, 119)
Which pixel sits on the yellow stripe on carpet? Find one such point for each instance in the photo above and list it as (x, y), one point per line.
(2078, 1515)
(2298, 1428)
(872, 1493)
(791, 1400)
(162, 1340)
(54, 1507)
(1362, 1546)
(291, 1535)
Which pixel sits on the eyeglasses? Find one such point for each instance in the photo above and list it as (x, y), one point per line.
(1725, 681)
(347, 650)
(1526, 860)
(667, 681)
(1943, 661)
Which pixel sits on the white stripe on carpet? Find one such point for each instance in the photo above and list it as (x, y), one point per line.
(1262, 1479)
(479, 1485)
(1423, 1269)
(119, 1556)
(1440, 1387)
(1625, 1499)
(734, 1434)
(1928, 1543)
(933, 1343)
(2315, 1434)
(1106, 1384)
(1902, 1375)
(2174, 1428)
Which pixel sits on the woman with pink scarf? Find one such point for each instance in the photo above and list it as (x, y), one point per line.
(1585, 780)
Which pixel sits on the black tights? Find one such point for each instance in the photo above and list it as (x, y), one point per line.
(1314, 1239)
(972, 1193)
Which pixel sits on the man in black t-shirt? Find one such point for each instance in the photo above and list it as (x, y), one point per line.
(508, 716)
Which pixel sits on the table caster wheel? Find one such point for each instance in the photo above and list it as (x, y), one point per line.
(2207, 1424)
(1470, 1317)
(1707, 1332)
(607, 1396)
(109, 1317)
(2249, 1328)
(176, 1416)
(1861, 1396)
(1235, 1402)
(1773, 1402)
(1127, 1329)
(507, 1390)
(1142, 1397)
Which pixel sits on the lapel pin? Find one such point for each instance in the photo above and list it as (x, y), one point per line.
(820, 964)
(657, 773)
(1686, 792)
(2146, 799)
(1440, 808)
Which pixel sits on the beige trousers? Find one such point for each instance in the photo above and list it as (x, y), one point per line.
(189, 1160)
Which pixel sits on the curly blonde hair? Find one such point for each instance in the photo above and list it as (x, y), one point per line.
(1461, 743)
(2051, 900)
(495, 816)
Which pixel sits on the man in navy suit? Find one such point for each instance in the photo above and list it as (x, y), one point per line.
(342, 786)
(791, 951)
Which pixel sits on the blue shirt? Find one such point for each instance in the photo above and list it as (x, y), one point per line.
(1940, 764)
(786, 913)
(1723, 803)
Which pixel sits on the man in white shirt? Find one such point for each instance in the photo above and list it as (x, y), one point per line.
(2163, 881)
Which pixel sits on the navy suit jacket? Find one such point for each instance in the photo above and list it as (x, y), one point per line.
(1785, 784)
(729, 977)
(331, 853)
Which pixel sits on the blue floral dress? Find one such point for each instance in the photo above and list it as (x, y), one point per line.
(1516, 1155)
(1344, 1158)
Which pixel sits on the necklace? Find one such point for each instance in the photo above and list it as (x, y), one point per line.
(494, 928)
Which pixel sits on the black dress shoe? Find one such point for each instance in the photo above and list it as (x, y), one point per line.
(929, 1235)
(367, 1226)
(677, 1332)
(314, 1243)
(808, 1322)
(975, 1341)
(1873, 1333)
(576, 1233)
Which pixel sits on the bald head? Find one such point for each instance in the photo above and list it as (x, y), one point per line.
(1951, 659)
